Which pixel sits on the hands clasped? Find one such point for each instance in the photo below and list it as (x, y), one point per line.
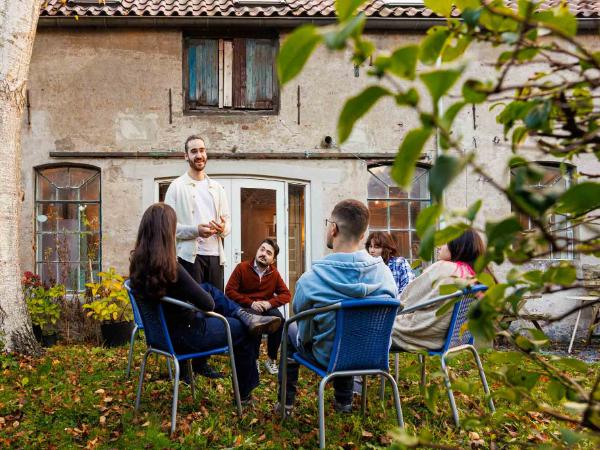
(260, 306)
(206, 230)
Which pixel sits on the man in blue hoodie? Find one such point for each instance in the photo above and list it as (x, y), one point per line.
(348, 272)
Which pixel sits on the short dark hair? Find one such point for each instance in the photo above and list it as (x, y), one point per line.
(385, 241)
(351, 218)
(467, 247)
(272, 243)
(193, 137)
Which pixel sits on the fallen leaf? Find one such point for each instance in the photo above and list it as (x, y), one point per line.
(367, 434)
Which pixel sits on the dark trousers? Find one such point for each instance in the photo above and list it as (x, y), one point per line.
(274, 339)
(342, 385)
(205, 269)
(209, 332)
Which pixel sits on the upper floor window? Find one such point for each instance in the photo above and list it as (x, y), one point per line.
(553, 179)
(395, 210)
(229, 74)
(68, 231)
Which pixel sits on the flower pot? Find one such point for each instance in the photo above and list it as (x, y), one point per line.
(48, 340)
(115, 334)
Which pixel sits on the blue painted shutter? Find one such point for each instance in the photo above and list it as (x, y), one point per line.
(203, 64)
(254, 81)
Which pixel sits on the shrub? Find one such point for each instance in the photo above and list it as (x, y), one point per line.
(110, 302)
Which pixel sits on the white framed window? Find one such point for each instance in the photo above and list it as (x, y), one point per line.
(395, 210)
(558, 180)
(68, 225)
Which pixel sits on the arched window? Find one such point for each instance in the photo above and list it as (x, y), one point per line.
(68, 225)
(559, 180)
(395, 210)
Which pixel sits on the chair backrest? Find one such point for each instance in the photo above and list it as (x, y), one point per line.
(457, 334)
(136, 312)
(363, 330)
(154, 323)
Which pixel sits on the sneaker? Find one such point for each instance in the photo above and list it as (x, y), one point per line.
(341, 407)
(289, 410)
(271, 366)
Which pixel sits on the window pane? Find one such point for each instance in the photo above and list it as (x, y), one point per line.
(163, 186)
(89, 247)
(420, 187)
(402, 240)
(259, 73)
(58, 176)
(399, 214)
(45, 189)
(415, 245)
(415, 209)
(90, 217)
(91, 189)
(297, 234)
(378, 211)
(78, 176)
(376, 189)
(396, 192)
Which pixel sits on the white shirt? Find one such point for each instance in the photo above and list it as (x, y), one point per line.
(204, 211)
(180, 197)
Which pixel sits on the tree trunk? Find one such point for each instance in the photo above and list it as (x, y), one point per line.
(18, 21)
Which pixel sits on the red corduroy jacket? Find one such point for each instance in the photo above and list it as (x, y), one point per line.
(245, 286)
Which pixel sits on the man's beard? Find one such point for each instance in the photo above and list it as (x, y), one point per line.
(193, 164)
(262, 264)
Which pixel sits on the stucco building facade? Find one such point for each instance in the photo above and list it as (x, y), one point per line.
(108, 112)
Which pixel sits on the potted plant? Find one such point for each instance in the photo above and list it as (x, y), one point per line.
(42, 304)
(110, 306)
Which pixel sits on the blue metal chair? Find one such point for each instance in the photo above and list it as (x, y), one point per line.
(360, 348)
(137, 327)
(159, 342)
(457, 339)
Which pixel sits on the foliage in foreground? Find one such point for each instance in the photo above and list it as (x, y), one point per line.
(552, 115)
(78, 397)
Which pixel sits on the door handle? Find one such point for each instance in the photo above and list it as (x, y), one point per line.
(238, 255)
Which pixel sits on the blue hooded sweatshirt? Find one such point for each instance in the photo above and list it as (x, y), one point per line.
(338, 276)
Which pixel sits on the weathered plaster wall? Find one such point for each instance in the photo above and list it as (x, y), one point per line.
(107, 90)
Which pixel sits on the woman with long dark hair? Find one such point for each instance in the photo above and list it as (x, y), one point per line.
(424, 329)
(154, 272)
(380, 243)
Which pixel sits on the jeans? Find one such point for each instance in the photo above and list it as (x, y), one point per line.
(209, 332)
(342, 385)
(273, 340)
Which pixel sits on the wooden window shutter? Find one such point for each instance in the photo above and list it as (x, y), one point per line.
(239, 73)
(203, 64)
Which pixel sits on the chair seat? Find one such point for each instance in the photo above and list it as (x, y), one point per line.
(215, 351)
(310, 363)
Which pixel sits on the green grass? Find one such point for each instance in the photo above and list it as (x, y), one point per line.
(78, 397)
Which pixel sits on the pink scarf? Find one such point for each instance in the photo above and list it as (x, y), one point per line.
(465, 270)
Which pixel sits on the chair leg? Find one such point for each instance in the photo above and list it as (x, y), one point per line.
(193, 381)
(322, 412)
(396, 366)
(141, 382)
(131, 344)
(363, 399)
(397, 402)
(449, 390)
(175, 396)
(486, 388)
(423, 370)
(170, 369)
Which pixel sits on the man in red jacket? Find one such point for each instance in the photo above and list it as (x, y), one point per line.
(257, 285)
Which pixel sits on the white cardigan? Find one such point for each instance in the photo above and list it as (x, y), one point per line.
(423, 329)
(179, 197)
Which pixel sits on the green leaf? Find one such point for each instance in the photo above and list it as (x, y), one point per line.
(538, 116)
(356, 107)
(518, 136)
(447, 289)
(451, 113)
(471, 15)
(345, 8)
(564, 274)
(464, 4)
(445, 169)
(556, 391)
(440, 7)
(473, 210)
(559, 18)
(409, 98)
(427, 218)
(474, 91)
(519, 377)
(438, 82)
(579, 199)
(449, 233)
(408, 155)
(574, 364)
(452, 52)
(295, 51)
(571, 437)
(486, 278)
(336, 39)
(426, 246)
(403, 62)
(432, 45)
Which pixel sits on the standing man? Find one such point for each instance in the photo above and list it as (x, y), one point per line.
(202, 217)
(202, 222)
(257, 285)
